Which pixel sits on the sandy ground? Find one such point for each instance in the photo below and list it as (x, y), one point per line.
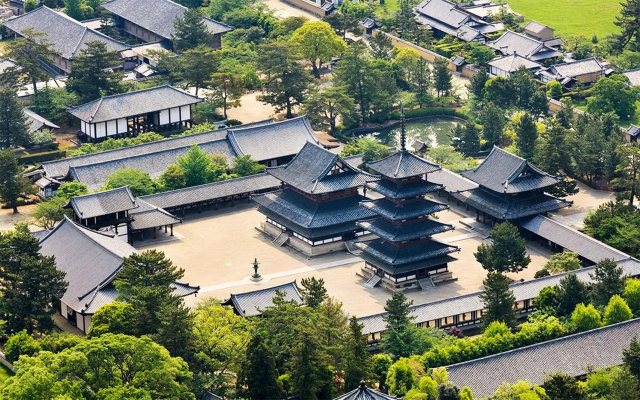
(251, 109)
(284, 10)
(8, 219)
(216, 250)
(586, 199)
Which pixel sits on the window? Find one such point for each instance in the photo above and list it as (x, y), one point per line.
(272, 222)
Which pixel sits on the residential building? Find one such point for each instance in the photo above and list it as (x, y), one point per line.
(91, 261)
(506, 65)
(251, 304)
(404, 252)
(159, 109)
(67, 36)
(634, 76)
(533, 49)
(538, 31)
(488, 10)
(586, 72)
(632, 134)
(317, 210)
(153, 20)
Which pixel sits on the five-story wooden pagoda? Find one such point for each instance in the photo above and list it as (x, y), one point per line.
(404, 252)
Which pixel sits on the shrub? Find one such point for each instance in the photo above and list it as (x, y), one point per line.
(554, 89)
(586, 317)
(617, 311)
(20, 344)
(497, 328)
(38, 158)
(632, 294)
(400, 378)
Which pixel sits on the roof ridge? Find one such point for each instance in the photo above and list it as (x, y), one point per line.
(268, 288)
(199, 186)
(102, 233)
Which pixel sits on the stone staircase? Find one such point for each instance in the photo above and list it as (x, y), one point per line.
(352, 249)
(426, 283)
(282, 239)
(373, 281)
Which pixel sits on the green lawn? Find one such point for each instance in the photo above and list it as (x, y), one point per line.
(5, 373)
(571, 17)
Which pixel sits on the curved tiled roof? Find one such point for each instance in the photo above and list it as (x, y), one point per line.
(250, 304)
(67, 35)
(393, 191)
(150, 216)
(403, 164)
(364, 393)
(103, 203)
(157, 16)
(414, 209)
(503, 172)
(398, 233)
(124, 105)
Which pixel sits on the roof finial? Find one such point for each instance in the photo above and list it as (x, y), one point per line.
(403, 130)
(363, 385)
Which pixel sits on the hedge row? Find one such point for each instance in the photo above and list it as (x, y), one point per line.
(37, 158)
(430, 112)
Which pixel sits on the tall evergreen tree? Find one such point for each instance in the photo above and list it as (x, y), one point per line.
(28, 51)
(442, 80)
(381, 47)
(467, 138)
(226, 91)
(526, 136)
(628, 170)
(73, 8)
(309, 366)
(175, 331)
(145, 282)
(28, 283)
(313, 291)
(197, 65)
(92, 76)
(506, 253)
(190, 31)
(13, 126)
(358, 366)
(478, 82)
(325, 106)
(493, 122)
(631, 358)
(397, 339)
(258, 378)
(570, 292)
(629, 23)
(12, 184)
(609, 280)
(560, 386)
(498, 300)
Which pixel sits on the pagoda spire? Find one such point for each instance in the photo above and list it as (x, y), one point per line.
(403, 130)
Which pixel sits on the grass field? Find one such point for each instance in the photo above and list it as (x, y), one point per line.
(5, 374)
(572, 17)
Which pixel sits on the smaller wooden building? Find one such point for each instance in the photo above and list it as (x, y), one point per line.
(251, 304)
(159, 109)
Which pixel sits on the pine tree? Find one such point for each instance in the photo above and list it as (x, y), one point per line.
(309, 365)
(13, 126)
(506, 253)
(609, 280)
(493, 122)
(470, 141)
(498, 300)
(12, 184)
(74, 9)
(190, 31)
(175, 331)
(358, 365)
(28, 51)
(258, 378)
(398, 337)
(526, 136)
(28, 283)
(442, 80)
(477, 83)
(381, 47)
(313, 291)
(570, 292)
(629, 23)
(92, 76)
(631, 357)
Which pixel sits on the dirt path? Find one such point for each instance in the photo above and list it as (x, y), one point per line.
(251, 110)
(8, 219)
(284, 10)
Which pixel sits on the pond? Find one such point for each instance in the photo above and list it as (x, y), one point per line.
(433, 131)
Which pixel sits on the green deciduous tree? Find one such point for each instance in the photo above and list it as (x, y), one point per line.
(617, 311)
(198, 167)
(72, 189)
(12, 185)
(246, 166)
(190, 31)
(526, 136)
(116, 318)
(632, 294)
(400, 378)
(318, 43)
(613, 95)
(173, 178)
(397, 339)
(30, 5)
(226, 91)
(325, 106)
(92, 76)
(287, 81)
(506, 253)
(586, 318)
(554, 89)
(259, 376)
(448, 391)
(609, 281)
(547, 300)
(370, 148)
(13, 126)
(559, 386)
(563, 262)
(50, 212)
(493, 121)
(21, 344)
(498, 300)
(138, 181)
(28, 282)
(631, 357)
(73, 8)
(218, 8)
(381, 365)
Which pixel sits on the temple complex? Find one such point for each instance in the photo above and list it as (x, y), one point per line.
(317, 210)
(404, 252)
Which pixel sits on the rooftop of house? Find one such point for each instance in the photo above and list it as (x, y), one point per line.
(364, 393)
(513, 62)
(68, 36)
(129, 104)
(535, 27)
(598, 348)
(577, 68)
(403, 164)
(511, 42)
(150, 216)
(503, 172)
(315, 170)
(157, 16)
(250, 304)
(485, 10)
(443, 11)
(103, 203)
(634, 76)
(633, 130)
(36, 122)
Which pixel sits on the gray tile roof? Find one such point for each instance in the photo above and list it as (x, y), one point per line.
(95, 175)
(133, 103)
(398, 233)
(634, 76)
(103, 203)
(471, 302)
(310, 218)
(513, 62)
(599, 348)
(67, 35)
(535, 27)
(444, 12)
(36, 122)
(364, 393)
(211, 191)
(393, 191)
(157, 16)
(150, 216)
(633, 130)
(90, 259)
(511, 42)
(40, 234)
(312, 171)
(451, 181)
(396, 256)
(403, 164)
(571, 239)
(250, 304)
(503, 172)
(280, 139)
(504, 208)
(60, 168)
(414, 209)
(576, 68)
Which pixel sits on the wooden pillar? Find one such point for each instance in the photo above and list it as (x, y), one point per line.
(154, 232)
(142, 235)
(477, 215)
(232, 201)
(165, 229)
(484, 217)
(215, 204)
(183, 211)
(171, 229)
(466, 206)
(199, 209)
(116, 230)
